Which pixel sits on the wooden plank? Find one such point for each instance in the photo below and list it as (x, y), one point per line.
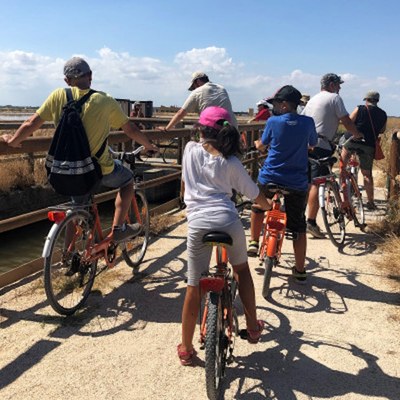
(21, 272)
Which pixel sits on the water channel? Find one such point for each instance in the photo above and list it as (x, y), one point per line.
(25, 244)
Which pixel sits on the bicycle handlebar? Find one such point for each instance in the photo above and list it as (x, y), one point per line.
(127, 156)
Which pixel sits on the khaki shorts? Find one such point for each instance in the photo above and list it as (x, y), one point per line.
(365, 153)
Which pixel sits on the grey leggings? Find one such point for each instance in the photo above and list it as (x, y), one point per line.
(199, 254)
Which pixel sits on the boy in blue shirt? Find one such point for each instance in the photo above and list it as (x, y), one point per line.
(288, 137)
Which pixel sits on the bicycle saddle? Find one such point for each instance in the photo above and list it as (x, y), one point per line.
(273, 188)
(324, 161)
(217, 237)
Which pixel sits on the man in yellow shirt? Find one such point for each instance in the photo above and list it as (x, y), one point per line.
(100, 114)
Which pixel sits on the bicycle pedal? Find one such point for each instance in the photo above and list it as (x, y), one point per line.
(243, 334)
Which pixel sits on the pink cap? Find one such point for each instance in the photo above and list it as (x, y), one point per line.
(211, 115)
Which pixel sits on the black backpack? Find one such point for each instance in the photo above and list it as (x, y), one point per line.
(71, 170)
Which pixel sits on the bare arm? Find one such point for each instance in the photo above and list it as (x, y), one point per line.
(353, 114)
(263, 202)
(350, 127)
(24, 131)
(259, 146)
(176, 118)
(133, 132)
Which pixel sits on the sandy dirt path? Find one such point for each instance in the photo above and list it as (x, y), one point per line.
(334, 338)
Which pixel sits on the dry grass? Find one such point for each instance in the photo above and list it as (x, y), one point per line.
(389, 229)
(17, 173)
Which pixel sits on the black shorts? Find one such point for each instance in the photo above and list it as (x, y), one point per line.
(316, 170)
(295, 207)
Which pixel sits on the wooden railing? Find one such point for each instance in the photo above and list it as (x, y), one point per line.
(393, 182)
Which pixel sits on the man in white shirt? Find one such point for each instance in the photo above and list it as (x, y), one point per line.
(327, 109)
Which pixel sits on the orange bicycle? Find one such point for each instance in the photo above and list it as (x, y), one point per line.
(219, 324)
(76, 242)
(274, 232)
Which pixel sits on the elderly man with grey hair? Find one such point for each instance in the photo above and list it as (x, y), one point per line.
(327, 110)
(371, 121)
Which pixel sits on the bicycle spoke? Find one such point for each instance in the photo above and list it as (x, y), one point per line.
(68, 279)
(134, 250)
(332, 214)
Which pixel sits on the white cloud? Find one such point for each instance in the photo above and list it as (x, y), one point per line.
(27, 78)
(213, 60)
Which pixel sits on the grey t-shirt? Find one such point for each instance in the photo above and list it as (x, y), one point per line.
(209, 94)
(326, 109)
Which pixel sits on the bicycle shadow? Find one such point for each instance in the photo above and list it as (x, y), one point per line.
(321, 293)
(359, 244)
(285, 367)
(155, 294)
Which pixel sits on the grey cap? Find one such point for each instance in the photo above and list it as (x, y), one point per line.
(76, 67)
(330, 78)
(372, 95)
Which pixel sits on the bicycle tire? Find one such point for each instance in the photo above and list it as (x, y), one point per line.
(332, 215)
(268, 263)
(67, 293)
(355, 198)
(216, 344)
(166, 148)
(134, 250)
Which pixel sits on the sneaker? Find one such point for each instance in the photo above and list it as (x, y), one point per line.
(315, 231)
(252, 251)
(254, 336)
(126, 232)
(371, 206)
(298, 276)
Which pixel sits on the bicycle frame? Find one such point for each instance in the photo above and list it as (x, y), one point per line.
(274, 230)
(105, 248)
(218, 282)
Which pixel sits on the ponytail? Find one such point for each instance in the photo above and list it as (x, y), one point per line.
(226, 141)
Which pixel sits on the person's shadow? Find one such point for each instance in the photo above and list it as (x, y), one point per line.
(287, 366)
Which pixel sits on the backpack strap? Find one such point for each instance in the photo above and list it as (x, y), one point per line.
(101, 150)
(78, 103)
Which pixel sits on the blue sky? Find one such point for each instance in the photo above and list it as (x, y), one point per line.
(147, 50)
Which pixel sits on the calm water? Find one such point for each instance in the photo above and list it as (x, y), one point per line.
(14, 117)
(25, 244)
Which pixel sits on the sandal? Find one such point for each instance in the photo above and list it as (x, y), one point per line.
(253, 336)
(185, 357)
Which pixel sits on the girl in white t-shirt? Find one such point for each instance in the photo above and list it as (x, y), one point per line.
(210, 171)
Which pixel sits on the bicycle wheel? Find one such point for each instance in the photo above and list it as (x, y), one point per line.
(216, 345)
(269, 263)
(67, 280)
(168, 149)
(134, 249)
(355, 198)
(332, 214)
